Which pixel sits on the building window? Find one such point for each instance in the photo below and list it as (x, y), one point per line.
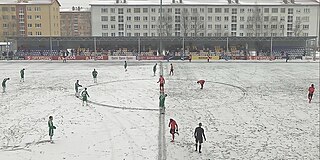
(177, 10)
(194, 10)
(234, 19)
(38, 33)
(29, 25)
(274, 26)
(129, 18)
(225, 26)
(153, 18)
(29, 9)
(128, 26)
(136, 26)
(305, 34)
(217, 18)
(290, 10)
(210, 26)
(289, 27)
(274, 18)
(226, 18)
(121, 27)
(112, 18)
(153, 26)
(266, 10)
(305, 19)
(113, 26)
(234, 11)
(217, 26)
(290, 18)
(29, 33)
(283, 10)
(137, 18)
(233, 27)
(266, 18)
(145, 18)
(274, 10)
(104, 10)
(13, 9)
(210, 18)
(265, 26)
(233, 34)
(112, 10)
(120, 18)
(226, 10)
(169, 10)
(104, 26)
(306, 10)
(145, 26)
(217, 10)
(136, 10)
(37, 25)
(241, 10)
(120, 10)
(128, 10)
(145, 10)
(210, 10)
(153, 10)
(104, 18)
(242, 19)
(177, 18)
(241, 26)
(305, 26)
(5, 25)
(37, 9)
(113, 34)
(137, 34)
(37, 17)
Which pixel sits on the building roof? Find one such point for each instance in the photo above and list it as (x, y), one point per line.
(75, 9)
(206, 2)
(28, 2)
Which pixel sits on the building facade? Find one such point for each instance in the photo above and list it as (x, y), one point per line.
(219, 18)
(75, 22)
(29, 18)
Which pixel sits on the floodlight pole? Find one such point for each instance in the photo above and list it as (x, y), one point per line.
(160, 47)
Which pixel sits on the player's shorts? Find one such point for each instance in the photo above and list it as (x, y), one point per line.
(172, 131)
(84, 98)
(161, 84)
(310, 95)
(50, 132)
(171, 70)
(200, 140)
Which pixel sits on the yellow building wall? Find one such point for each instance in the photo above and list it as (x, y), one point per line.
(50, 20)
(10, 21)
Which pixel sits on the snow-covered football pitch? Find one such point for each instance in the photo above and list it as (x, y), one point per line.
(248, 111)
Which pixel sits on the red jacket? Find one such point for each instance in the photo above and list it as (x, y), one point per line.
(311, 90)
(161, 80)
(173, 124)
(201, 81)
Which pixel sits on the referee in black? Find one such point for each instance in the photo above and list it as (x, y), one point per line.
(199, 135)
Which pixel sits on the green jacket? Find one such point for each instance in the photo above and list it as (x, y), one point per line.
(94, 74)
(162, 99)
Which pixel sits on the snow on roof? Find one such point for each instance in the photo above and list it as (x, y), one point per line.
(74, 10)
(205, 2)
(28, 2)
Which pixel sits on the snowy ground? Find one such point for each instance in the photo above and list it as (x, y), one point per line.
(248, 111)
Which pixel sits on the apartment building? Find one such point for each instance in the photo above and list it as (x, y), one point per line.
(29, 18)
(75, 22)
(218, 18)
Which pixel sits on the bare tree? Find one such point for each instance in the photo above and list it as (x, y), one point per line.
(297, 28)
(167, 22)
(185, 22)
(197, 24)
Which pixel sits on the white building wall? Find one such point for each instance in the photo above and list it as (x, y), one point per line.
(308, 20)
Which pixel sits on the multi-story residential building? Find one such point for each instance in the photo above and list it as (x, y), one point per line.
(217, 18)
(75, 22)
(29, 18)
